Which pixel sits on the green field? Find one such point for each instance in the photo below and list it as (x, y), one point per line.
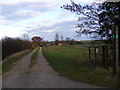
(73, 63)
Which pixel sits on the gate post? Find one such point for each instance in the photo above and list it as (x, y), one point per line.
(116, 39)
(95, 53)
(103, 52)
(115, 49)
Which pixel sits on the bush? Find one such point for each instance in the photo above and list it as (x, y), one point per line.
(13, 45)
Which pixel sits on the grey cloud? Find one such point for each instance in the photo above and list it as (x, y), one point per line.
(65, 28)
(58, 27)
(9, 10)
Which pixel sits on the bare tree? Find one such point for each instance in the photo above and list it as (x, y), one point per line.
(67, 39)
(42, 38)
(62, 38)
(56, 38)
(26, 37)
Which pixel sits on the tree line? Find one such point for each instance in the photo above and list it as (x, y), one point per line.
(13, 45)
(61, 38)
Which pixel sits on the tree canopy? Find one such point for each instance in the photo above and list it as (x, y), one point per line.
(95, 19)
(36, 39)
(108, 17)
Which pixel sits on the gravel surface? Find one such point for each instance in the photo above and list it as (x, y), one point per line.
(41, 75)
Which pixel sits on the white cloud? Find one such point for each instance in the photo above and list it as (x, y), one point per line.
(42, 5)
(39, 0)
(28, 13)
(26, 10)
(92, 1)
(44, 22)
(6, 22)
(8, 3)
(14, 2)
(87, 1)
(3, 21)
(48, 31)
(10, 31)
(2, 17)
(61, 2)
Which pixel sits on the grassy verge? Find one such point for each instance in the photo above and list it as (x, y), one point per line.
(33, 58)
(7, 65)
(73, 64)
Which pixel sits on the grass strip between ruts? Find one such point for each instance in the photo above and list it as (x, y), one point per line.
(34, 57)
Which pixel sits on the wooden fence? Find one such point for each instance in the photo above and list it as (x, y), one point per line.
(99, 54)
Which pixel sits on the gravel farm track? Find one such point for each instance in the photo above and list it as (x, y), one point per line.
(41, 75)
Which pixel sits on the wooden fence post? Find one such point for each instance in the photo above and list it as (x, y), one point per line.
(103, 51)
(95, 53)
(115, 49)
(106, 57)
(118, 47)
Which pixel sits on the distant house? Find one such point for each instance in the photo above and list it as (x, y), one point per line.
(60, 44)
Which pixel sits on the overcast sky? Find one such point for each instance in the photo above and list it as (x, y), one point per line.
(38, 18)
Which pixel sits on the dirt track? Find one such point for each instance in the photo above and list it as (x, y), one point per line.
(39, 76)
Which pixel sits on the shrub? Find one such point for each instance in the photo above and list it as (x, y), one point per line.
(13, 45)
